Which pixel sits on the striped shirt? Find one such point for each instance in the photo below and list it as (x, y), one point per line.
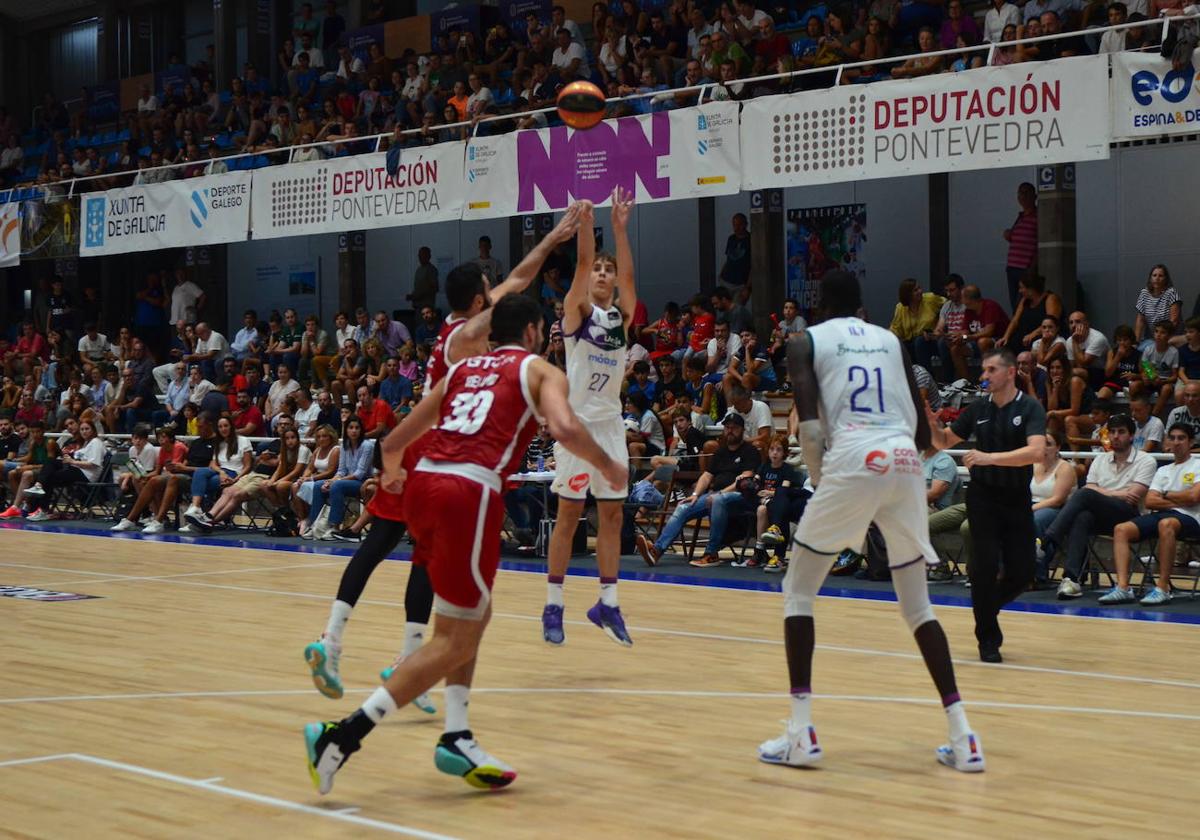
(1155, 309)
(1023, 241)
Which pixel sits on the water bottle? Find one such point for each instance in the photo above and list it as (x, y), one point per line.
(541, 462)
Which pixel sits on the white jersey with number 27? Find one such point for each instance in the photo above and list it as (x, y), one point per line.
(596, 364)
(863, 382)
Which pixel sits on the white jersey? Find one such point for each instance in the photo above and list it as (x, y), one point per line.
(863, 382)
(596, 364)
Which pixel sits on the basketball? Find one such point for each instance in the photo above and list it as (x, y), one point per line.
(581, 105)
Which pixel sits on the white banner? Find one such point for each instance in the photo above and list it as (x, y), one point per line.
(355, 193)
(1031, 113)
(688, 153)
(206, 210)
(10, 234)
(1149, 99)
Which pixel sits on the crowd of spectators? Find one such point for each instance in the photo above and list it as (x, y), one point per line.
(322, 92)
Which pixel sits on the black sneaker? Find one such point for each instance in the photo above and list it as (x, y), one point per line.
(325, 754)
(846, 564)
(347, 535)
(940, 573)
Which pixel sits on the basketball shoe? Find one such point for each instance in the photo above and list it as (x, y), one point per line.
(609, 620)
(796, 747)
(323, 657)
(552, 625)
(964, 753)
(421, 701)
(459, 754)
(327, 749)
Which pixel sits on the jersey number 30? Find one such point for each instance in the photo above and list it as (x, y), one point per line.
(467, 412)
(865, 407)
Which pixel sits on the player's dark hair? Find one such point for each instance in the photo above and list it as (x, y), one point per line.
(1183, 427)
(511, 316)
(841, 296)
(463, 283)
(638, 400)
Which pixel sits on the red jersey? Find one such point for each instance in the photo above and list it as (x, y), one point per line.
(388, 505)
(487, 418)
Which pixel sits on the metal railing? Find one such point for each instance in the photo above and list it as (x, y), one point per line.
(378, 139)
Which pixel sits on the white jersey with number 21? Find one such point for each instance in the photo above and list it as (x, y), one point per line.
(863, 382)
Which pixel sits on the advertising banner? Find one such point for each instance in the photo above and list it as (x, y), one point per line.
(10, 234)
(356, 193)
(1150, 99)
(1019, 115)
(206, 210)
(820, 239)
(689, 153)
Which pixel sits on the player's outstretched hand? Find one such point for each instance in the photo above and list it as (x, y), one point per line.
(567, 225)
(616, 474)
(622, 204)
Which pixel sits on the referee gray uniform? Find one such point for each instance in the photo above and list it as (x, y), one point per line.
(999, 509)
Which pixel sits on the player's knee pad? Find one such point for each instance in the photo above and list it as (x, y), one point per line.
(912, 591)
(806, 571)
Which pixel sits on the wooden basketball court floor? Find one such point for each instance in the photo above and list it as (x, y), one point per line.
(172, 704)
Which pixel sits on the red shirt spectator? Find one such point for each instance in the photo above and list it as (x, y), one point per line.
(703, 326)
(237, 384)
(30, 412)
(771, 45)
(33, 343)
(983, 313)
(378, 417)
(251, 417)
(175, 453)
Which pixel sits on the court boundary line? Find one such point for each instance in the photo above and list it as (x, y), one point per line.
(972, 663)
(342, 814)
(1069, 610)
(613, 692)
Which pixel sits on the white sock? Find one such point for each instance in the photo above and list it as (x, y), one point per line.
(379, 705)
(956, 714)
(802, 709)
(554, 595)
(339, 614)
(608, 594)
(414, 637)
(457, 698)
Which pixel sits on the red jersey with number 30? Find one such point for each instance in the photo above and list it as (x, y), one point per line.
(384, 504)
(487, 419)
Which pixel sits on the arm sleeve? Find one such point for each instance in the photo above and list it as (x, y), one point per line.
(1035, 419)
(964, 425)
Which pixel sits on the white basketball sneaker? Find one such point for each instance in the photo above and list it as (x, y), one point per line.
(796, 747)
(965, 754)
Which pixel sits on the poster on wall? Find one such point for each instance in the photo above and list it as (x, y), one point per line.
(1151, 99)
(688, 153)
(820, 239)
(10, 234)
(1023, 114)
(278, 286)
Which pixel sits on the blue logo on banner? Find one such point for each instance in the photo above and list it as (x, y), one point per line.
(94, 226)
(471, 175)
(703, 146)
(701, 123)
(470, 153)
(200, 210)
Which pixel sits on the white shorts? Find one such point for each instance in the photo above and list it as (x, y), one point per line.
(881, 482)
(575, 477)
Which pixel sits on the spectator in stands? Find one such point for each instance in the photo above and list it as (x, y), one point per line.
(314, 344)
(1173, 505)
(135, 403)
(1116, 484)
(352, 369)
(173, 477)
(1067, 395)
(428, 328)
(957, 23)
(1114, 41)
(921, 64)
(734, 460)
(915, 317)
(1189, 412)
(79, 465)
(644, 432)
(1022, 240)
(1159, 301)
(395, 389)
(1148, 434)
(321, 468)
(1159, 367)
(1189, 354)
(279, 391)
(751, 366)
(284, 345)
(1034, 305)
(781, 502)
(1052, 484)
(1122, 366)
(233, 458)
(143, 458)
(355, 464)
(722, 347)
(376, 416)
(1087, 349)
(187, 299)
(210, 350)
(758, 423)
(245, 342)
(1000, 15)
(247, 418)
(391, 334)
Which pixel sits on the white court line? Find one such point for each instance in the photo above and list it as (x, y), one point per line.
(973, 663)
(211, 781)
(113, 577)
(616, 692)
(36, 760)
(342, 814)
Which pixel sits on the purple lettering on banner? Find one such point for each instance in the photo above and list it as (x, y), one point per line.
(591, 164)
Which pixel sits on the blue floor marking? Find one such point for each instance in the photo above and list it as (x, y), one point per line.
(337, 549)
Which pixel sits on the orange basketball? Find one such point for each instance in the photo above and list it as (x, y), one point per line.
(581, 105)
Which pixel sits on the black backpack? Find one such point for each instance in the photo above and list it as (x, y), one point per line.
(284, 523)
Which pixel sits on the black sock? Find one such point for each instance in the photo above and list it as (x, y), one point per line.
(354, 729)
(935, 650)
(799, 636)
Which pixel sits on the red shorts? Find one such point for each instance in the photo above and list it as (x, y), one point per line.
(455, 523)
(390, 506)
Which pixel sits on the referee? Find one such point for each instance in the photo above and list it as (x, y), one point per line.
(1009, 429)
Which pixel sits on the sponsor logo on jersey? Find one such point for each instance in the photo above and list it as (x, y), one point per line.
(578, 482)
(877, 462)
